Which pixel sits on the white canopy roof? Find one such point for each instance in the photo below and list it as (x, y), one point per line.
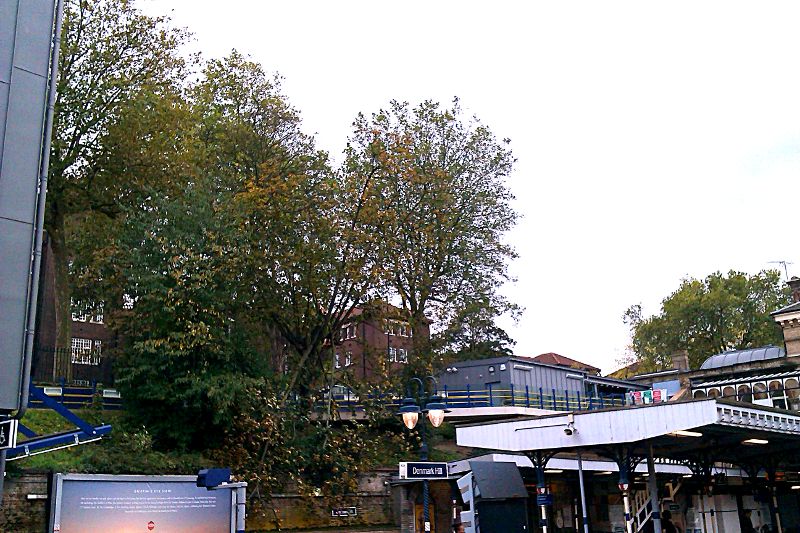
(723, 424)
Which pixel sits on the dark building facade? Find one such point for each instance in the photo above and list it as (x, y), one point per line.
(85, 361)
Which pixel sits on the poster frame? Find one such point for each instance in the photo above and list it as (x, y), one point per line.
(58, 491)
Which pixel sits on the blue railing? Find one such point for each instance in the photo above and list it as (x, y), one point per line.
(551, 399)
(79, 397)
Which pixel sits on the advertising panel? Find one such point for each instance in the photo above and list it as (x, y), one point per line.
(133, 504)
(645, 397)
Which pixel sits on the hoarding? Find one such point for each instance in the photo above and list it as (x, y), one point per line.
(86, 503)
(645, 397)
(26, 32)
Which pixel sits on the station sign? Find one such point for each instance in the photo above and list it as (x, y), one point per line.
(544, 499)
(8, 434)
(423, 470)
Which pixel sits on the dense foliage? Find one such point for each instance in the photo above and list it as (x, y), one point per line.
(709, 316)
(228, 250)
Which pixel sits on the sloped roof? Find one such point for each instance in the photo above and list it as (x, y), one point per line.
(738, 357)
(788, 309)
(551, 358)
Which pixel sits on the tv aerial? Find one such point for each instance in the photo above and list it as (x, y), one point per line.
(785, 265)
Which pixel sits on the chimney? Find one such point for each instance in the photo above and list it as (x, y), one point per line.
(794, 284)
(680, 360)
(789, 320)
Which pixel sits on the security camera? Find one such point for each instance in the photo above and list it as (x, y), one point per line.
(570, 429)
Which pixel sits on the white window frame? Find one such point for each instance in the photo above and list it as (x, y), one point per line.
(398, 328)
(86, 351)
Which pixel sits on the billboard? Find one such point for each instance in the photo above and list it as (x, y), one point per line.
(26, 32)
(93, 503)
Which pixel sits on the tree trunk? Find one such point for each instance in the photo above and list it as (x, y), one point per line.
(62, 294)
(421, 340)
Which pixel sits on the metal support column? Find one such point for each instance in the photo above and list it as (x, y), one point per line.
(628, 519)
(774, 492)
(2, 475)
(541, 488)
(626, 463)
(583, 495)
(539, 460)
(241, 500)
(652, 488)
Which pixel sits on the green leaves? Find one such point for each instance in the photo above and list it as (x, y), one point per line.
(710, 316)
(444, 207)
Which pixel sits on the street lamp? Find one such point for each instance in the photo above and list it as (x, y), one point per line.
(434, 410)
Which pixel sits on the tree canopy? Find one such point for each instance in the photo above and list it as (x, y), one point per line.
(240, 248)
(121, 128)
(709, 316)
(441, 181)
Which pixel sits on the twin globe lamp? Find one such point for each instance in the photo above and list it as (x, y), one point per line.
(434, 409)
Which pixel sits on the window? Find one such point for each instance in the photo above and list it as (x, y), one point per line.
(348, 358)
(86, 352)
(793, 394)
(336, 361)
(398, 328)
(86, 312)
(778, 394)
(347, 332)
(760, 391)
(743, 394)
(392, 354)
(402, 356)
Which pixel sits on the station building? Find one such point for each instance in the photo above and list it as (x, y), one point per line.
(714, 450)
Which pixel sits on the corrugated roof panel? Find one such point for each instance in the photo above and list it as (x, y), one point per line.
(737, 357)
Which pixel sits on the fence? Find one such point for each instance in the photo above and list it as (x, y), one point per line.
(86, 368)
(494, 397)
(80, 397)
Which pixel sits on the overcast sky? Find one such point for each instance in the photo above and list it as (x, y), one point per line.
(655, 140)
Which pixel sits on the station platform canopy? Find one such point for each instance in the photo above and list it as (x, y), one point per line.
(718, 430)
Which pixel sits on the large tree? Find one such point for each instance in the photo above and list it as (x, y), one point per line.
(472, 331)
(120, 128)
(304, 256)
(441, 179)
(705, 317)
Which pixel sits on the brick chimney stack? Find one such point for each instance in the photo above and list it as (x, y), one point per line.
(789, 320)
(794, 284)
(680, 360)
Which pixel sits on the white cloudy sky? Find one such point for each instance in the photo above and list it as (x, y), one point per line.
(655, 140)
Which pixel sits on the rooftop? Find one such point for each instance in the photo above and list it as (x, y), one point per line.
(551, 358)
(738, 357)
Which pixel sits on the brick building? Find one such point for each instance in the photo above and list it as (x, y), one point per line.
(377, 340)
(84, 362)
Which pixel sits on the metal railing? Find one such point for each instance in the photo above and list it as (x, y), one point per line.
(79, 397)
(539, 398)
(66, 366)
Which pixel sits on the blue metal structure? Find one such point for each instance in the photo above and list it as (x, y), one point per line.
(35, 444)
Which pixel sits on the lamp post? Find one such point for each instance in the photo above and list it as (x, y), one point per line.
(434, 410)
